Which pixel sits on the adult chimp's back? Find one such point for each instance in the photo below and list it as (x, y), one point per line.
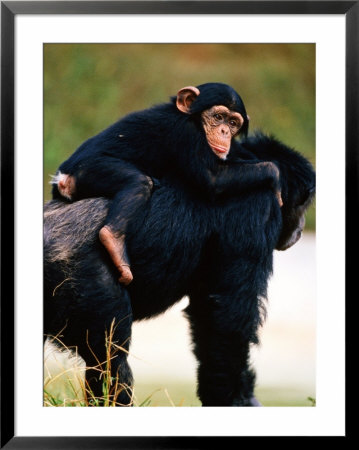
(219, 253)
(169, 247)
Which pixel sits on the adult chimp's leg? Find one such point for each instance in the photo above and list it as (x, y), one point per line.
(101, 333)
(82, 296)
(224, 318)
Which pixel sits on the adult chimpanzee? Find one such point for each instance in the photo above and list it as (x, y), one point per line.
(186, 140)
(218, 251)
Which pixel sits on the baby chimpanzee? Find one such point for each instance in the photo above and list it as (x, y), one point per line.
(184, 141)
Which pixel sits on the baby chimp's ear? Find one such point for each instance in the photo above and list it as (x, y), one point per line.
(185, 98)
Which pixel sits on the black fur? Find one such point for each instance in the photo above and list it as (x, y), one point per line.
(163, 143)
(218, 251)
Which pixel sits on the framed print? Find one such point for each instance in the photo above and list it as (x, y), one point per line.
(69, 70)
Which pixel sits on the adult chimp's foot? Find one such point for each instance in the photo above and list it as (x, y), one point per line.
(250, 402)
(254, 402)
(116, 248)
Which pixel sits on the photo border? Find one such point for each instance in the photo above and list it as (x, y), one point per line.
(8, 12)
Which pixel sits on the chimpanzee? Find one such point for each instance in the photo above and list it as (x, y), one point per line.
(187, 139)
(217, 251)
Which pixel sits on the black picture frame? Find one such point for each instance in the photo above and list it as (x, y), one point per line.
(9, 10)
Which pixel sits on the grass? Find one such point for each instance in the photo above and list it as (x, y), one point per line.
(174, 393)
(65, 385)
(69, 387)
(183, 394)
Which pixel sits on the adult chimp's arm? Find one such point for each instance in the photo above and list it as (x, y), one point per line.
(240, 175)
(297, 182)
(297, 176)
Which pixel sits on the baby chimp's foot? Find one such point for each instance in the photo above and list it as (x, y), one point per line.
(116, 248)
(279, 198)
(126, 274)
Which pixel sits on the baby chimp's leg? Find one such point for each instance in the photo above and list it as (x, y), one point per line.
(124, 207)
(106, 176)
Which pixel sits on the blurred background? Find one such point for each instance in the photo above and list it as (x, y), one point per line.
(89, 86)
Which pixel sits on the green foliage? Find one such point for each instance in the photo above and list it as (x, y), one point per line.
(89, 86)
